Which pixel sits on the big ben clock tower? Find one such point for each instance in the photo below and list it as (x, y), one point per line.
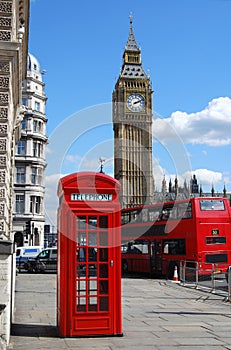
(132, 124)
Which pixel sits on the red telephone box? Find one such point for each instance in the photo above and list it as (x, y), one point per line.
(89, 256)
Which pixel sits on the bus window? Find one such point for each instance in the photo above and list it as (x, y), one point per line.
(212, 204)
(136, 248)
(176, 212)
(130, 216)
(174, 246)
(184, 210)
(154, 213)
(164, 215)
(166, 250)
(125, 218)
(173, 215)
(144, 215)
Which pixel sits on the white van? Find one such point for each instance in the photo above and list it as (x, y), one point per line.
(26, 252)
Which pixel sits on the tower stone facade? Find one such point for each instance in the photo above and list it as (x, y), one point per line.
(14, 23)
(132, 124)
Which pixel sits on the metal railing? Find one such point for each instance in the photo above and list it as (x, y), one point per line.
(211, 277)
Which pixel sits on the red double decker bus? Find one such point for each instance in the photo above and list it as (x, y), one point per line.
(157, 237)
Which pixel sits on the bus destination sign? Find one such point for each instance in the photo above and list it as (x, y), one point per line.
(91, 197)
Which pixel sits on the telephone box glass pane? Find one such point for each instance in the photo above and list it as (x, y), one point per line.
(81, 287)
(92, 239)
(103, 222)
(81, 239)
(103, 304)
(92, 286)
(92, 254)
(92, 222)
(103, 254)
(80, 254)
(103, 239)
(81, 304)
(103, 286)
(103, 271)
(92, 304)
(81, 222)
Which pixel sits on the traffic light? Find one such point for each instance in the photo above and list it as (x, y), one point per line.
(28, 228)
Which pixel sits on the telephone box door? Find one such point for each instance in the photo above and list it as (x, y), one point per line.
(93, 287)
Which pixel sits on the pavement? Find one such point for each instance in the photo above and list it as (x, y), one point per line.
(157, 315)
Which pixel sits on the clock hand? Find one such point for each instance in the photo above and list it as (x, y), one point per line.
(136, 102)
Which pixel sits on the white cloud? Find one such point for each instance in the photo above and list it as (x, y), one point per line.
(206, 177)
(73, 158)
(211, 126)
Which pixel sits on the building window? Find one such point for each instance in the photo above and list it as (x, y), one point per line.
(24, 102)
(35, 204)
(20, 203)
(23, 126)
(37, 126)
(37, 149)
(21, 148)
(37, 106)
(36, 176)
(20, 175)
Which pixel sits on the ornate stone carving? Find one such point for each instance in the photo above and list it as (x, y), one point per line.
(6, 6)
(2, 225)
(2, 193)
(3, 129)
(2, 145)
(5, 35)
(3, 113)
(5, 22)
(2, 176)
(2, 161)
(4, 82)
(2, 209)
(4, 99)
(4, 67)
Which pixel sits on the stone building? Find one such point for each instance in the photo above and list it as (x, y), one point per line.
(14, 24)
(30, 163)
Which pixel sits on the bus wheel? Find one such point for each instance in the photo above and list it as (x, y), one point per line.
(124, 266)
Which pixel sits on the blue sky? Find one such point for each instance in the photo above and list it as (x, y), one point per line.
(186, 49)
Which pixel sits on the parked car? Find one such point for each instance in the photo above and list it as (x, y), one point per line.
(25, 253)
(44, 261)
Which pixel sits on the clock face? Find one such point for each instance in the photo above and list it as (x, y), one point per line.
(135, 102)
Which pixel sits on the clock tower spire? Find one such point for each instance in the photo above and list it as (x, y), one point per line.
(131, 43)
(132, 124)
